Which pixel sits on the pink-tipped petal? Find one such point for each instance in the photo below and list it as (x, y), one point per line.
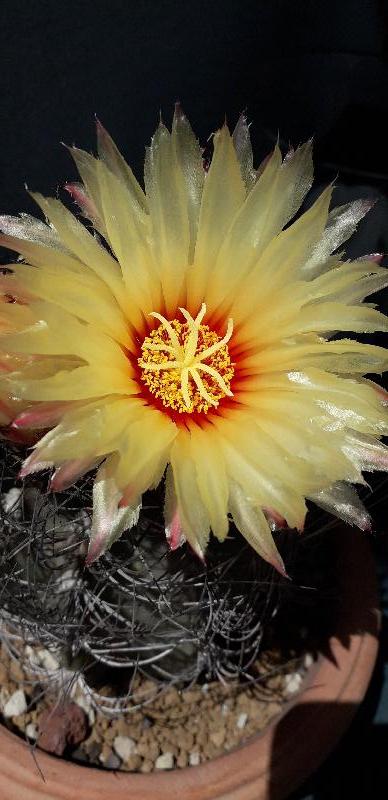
(174, 533)
(380, 391)
(69, 472)
(43, 415)
(79, 195)
(274, 518)
(375, 257)
(128, 497)
(32, 465)
(109, 521)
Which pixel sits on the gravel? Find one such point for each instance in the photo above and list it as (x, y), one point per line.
(177, 729)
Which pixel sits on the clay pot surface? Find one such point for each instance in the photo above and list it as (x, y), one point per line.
(271, 764)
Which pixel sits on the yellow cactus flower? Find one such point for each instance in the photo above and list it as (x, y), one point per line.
(188, 329)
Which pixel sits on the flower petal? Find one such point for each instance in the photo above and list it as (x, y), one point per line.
(85, 247)
(343, 501)
(109, 153)
(211, 478)
(223, 194)
(251, 522)
(242, 142)
(193, 514)
(167, 198)
(109, 522)
(142, 463)
(342, 223)
(189, 157)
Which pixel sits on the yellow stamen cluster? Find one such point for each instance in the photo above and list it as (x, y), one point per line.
(186, 365)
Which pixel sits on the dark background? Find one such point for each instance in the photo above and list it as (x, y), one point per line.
(299, 68)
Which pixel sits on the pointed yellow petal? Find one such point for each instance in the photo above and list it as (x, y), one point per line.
(192, 511)
(251, 522)
(128, 231)
(340, 356)
(281, 261)
(72, 294)
(272, 202)
(81, 383)
(142, 462)
(211, 477)
(223, 194)
(46, 329)
(268, 476)
(166, 194)
(77, 239)
(189, 157)
(109, 153)
(341, 224)
(242, 142)
(87, 168)
(92, 429)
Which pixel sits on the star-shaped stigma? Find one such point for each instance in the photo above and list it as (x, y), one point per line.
(181, 349)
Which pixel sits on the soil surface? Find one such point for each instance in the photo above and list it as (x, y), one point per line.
(173, 728)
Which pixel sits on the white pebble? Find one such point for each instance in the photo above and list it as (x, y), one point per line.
(124, 747)
(84, 702)
(47, 660)
(242, 721)
(32, 730)
(194, 759)
(293, 682)
(16, 704)
(31, 656)
(165, 761)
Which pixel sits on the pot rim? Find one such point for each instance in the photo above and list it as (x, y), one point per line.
(269, 765)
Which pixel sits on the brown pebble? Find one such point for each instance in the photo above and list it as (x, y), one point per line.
(110, 735)
(147, 766)
(133, 763)
(192, 696)
(61, 726)
(171, 699)
(218, 737)
(182, 759)
(16, 673)
(150, 750)
(187, 741)
(20, 721)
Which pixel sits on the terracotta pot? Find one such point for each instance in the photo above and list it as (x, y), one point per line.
(270, 765)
